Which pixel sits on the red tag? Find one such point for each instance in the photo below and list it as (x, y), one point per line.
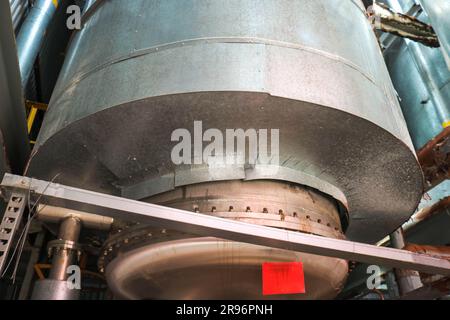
(283, 278)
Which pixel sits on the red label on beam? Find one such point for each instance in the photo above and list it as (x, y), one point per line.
(283, 278)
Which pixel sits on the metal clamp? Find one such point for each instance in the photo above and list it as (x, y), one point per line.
(57, 245)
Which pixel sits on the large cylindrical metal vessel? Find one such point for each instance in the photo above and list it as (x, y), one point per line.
(312, 69)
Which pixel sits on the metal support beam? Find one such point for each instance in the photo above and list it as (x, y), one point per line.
(9, 225)
(403, 25)
(195, 223)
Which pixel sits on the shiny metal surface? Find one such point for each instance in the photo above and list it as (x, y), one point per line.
(161, 259)
(63, 256)
(31, 35)
(56, 215)
(53, 290)
(263, 202)
(60, 262)
(239, 64)
(70, 229)
(208, 268)
(438, 11)
(19, 8)
(422, 80)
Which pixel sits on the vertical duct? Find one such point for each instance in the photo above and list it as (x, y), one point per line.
(19, 9)
(438, 11)
(32, 34)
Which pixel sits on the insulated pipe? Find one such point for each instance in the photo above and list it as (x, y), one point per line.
(31, 35)
(90, 221)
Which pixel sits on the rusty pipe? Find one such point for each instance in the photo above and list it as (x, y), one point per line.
(442, 252)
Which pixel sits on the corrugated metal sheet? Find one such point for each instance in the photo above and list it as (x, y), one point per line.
(19, 9)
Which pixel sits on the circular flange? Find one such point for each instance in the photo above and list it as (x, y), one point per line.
(58, 244)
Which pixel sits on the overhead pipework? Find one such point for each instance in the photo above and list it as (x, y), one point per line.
(385, 19)
(19, 9)
(422, 79)
(32, 33)
(438, 10)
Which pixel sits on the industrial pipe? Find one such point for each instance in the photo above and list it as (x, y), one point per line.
(443, 252)
(407, 280)
(65, 252)
(438, 11)
(90, 221)
(31, 35)
(63, 257)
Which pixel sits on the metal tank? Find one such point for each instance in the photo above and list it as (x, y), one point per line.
(313, 69)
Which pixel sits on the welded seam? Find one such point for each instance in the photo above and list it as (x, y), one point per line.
(215, 40)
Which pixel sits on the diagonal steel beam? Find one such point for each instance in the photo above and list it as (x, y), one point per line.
(195, 223)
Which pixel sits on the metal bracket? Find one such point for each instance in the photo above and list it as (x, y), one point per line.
(204, 225)
(9, 225)
(403, 25)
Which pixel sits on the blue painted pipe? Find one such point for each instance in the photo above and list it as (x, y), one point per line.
(31, 35)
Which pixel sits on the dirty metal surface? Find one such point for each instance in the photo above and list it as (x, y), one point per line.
(125, 89)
